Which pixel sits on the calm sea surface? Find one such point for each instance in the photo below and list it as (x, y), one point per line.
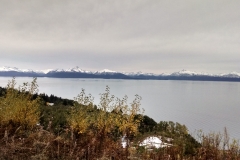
(209, 106)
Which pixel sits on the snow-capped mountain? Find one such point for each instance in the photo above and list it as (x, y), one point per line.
(75, 69)
(15, 69)
(10, 69)
(106, 71)
(47, 71)
(16, 72)
(232, 74)
(139, 74)
(189, 73)
(77, 72)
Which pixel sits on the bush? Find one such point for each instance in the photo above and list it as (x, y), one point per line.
(18, 108)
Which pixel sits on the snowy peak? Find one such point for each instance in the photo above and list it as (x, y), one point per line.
(14, 69)
(105, 71)
(53, 70)
(231, 74)
(75, 69)
(8, 69)
(189, 73)
(139, 74)
(184, 72)
(47, 71)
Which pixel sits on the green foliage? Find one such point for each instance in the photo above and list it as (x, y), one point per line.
(54, 118)
(2, 91)
(147, 125)
(54, 99)
(170, 128)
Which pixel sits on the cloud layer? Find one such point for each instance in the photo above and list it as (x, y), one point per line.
(151, 36)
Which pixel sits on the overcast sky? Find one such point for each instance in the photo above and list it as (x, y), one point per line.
(123, 35)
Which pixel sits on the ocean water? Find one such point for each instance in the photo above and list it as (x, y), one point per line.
(209, 106)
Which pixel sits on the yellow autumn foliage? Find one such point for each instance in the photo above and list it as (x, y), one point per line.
(79, 118)
(18, 107)
(112, 115)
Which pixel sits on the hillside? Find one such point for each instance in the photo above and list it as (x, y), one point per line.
(38, 126)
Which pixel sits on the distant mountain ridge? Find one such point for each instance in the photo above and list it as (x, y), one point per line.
(77, 72)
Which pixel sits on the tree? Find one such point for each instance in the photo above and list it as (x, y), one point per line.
(131, 117)
(148, 125)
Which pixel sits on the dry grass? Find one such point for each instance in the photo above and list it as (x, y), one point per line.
(41, 144)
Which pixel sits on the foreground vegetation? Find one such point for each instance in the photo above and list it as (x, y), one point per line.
(78, 129)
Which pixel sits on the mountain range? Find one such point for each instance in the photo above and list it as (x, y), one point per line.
(77, 72)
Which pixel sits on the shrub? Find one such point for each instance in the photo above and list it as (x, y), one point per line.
(18, 108)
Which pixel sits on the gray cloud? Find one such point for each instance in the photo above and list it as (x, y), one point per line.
(152, 36)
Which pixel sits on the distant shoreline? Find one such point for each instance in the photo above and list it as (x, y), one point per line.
(123, 77)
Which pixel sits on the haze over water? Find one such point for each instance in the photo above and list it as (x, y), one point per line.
(209, 106)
